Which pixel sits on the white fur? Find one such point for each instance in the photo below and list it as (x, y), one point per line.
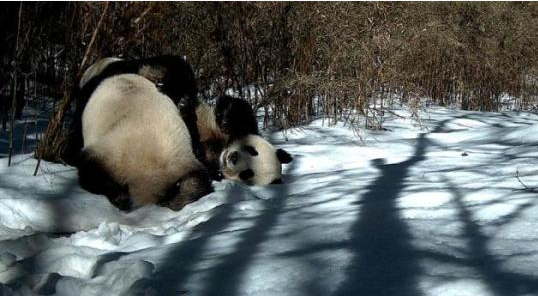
(95, 70)
(139, 135)
(265, 165)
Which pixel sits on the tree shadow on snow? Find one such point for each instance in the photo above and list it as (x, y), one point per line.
(180, 262)
(384, 260)
(58, 225)
(384, 264)
(225, 277)
(500, 282)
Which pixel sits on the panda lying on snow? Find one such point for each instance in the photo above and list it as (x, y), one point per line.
(138, 149)
(232, 146)
(131, 157)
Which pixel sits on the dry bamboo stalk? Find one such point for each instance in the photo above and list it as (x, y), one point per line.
(52, 133)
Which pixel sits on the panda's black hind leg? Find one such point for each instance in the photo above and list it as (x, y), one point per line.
(71, 151)
(94, 177)
(189, 188)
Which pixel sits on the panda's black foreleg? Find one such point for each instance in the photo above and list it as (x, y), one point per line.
(188, 114)
(214, 171)
(94, 177)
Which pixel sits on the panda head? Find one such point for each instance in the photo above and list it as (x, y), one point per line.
(254, 161)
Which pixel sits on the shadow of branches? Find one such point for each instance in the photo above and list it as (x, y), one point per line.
(385, 262)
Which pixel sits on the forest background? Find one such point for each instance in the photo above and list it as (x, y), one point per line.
(294, 61)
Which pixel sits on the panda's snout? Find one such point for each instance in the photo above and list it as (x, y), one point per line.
(233, 157)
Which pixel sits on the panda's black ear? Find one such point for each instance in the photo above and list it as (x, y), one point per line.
(283, 156)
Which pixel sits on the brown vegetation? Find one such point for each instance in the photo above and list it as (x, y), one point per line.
(342, 60)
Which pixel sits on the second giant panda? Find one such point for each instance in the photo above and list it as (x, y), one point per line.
(171, 75)
(233, 148)
(137, 148)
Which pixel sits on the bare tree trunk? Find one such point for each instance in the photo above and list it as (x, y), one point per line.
(14, 101)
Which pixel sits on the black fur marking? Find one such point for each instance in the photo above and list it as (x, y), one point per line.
(94, 177)
(235, 117)
(233, 157)
(283, 156)
(277, 181)
(213, 148)
(178, 83)
(170, 194)
(188, 114)
(250, 150)
(246, 174)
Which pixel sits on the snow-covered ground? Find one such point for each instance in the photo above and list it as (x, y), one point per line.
(435, 211)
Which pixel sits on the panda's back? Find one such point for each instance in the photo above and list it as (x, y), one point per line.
(137, 131)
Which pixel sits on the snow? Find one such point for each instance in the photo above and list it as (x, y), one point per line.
(436, 210)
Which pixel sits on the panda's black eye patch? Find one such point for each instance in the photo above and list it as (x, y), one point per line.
(250, 150)
(246, 174)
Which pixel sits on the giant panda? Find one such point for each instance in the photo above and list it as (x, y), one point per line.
(233, 148)
(218, 133)
(172, 76)
(137, 148)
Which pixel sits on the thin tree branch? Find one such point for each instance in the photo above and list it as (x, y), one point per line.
(143, 14)
(14, 101)
(525, 187)
(94, 35)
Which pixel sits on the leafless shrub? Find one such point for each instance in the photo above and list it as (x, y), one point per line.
(342, 60)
